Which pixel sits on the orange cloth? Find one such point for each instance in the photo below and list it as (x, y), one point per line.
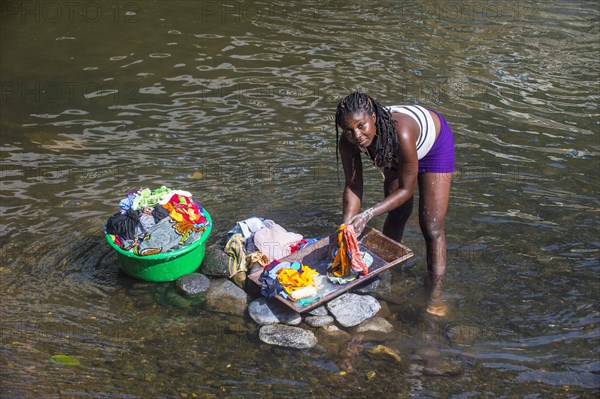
(184, 212)
(340, 266)
(348, 255)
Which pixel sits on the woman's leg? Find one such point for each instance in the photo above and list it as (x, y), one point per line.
(434, 194)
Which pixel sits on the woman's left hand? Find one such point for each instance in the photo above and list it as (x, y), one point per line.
(360, 221)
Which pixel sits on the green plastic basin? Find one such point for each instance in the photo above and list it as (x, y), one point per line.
(166, 266)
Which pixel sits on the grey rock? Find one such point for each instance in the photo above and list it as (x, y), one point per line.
(225, 297)
(215, 262)
(289, 336)
(320, 311)
(193, 284)
(376, 324)
(350, 309)
(270, 311)
(318, 321)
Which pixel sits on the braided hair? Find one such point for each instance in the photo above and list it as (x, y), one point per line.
(386, 143)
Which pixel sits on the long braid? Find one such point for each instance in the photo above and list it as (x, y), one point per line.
(386, 140)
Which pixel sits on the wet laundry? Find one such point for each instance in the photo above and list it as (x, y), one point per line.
(348, 263)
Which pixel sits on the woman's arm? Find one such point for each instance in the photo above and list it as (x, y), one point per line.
(402, 186)
(353, 179)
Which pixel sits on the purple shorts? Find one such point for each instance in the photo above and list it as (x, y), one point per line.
(440, 158)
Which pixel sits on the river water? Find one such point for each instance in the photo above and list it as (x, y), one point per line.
(234, 101)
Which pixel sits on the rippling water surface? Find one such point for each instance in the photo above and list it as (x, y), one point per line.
(234, 101)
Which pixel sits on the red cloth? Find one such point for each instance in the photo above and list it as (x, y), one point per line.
(358, 263)
(297, 245)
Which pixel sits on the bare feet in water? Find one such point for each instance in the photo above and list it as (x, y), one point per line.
(437, 306)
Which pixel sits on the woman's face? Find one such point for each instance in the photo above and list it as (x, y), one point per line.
(359, 128)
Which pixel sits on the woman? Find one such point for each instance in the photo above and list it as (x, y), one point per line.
(409, 145)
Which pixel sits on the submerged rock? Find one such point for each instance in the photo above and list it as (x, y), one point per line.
(385, 311)
(443, 368)
(288, 336)
(375, 325)
(269, 311)
(384, 352)
(225, 297)
(350, 309)
(399, 292)
(462, 334)
(193, 284)
(319, 321)
(333, 333)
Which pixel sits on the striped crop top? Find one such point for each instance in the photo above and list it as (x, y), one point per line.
(425, 121)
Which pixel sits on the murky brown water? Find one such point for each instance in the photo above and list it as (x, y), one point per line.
(234, 101)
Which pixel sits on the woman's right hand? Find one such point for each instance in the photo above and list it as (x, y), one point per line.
(360, 221)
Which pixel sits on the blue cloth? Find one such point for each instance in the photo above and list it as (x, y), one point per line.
(309, 241)
(270, 285)
(126, 203)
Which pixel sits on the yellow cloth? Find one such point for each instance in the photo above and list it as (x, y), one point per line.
(291, 279)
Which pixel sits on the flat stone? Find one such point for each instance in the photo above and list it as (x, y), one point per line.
(375, 324)
(266, 311)
(288, 336)
(193, 284)
(318, 321)
(225, 297)
(350, 309)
